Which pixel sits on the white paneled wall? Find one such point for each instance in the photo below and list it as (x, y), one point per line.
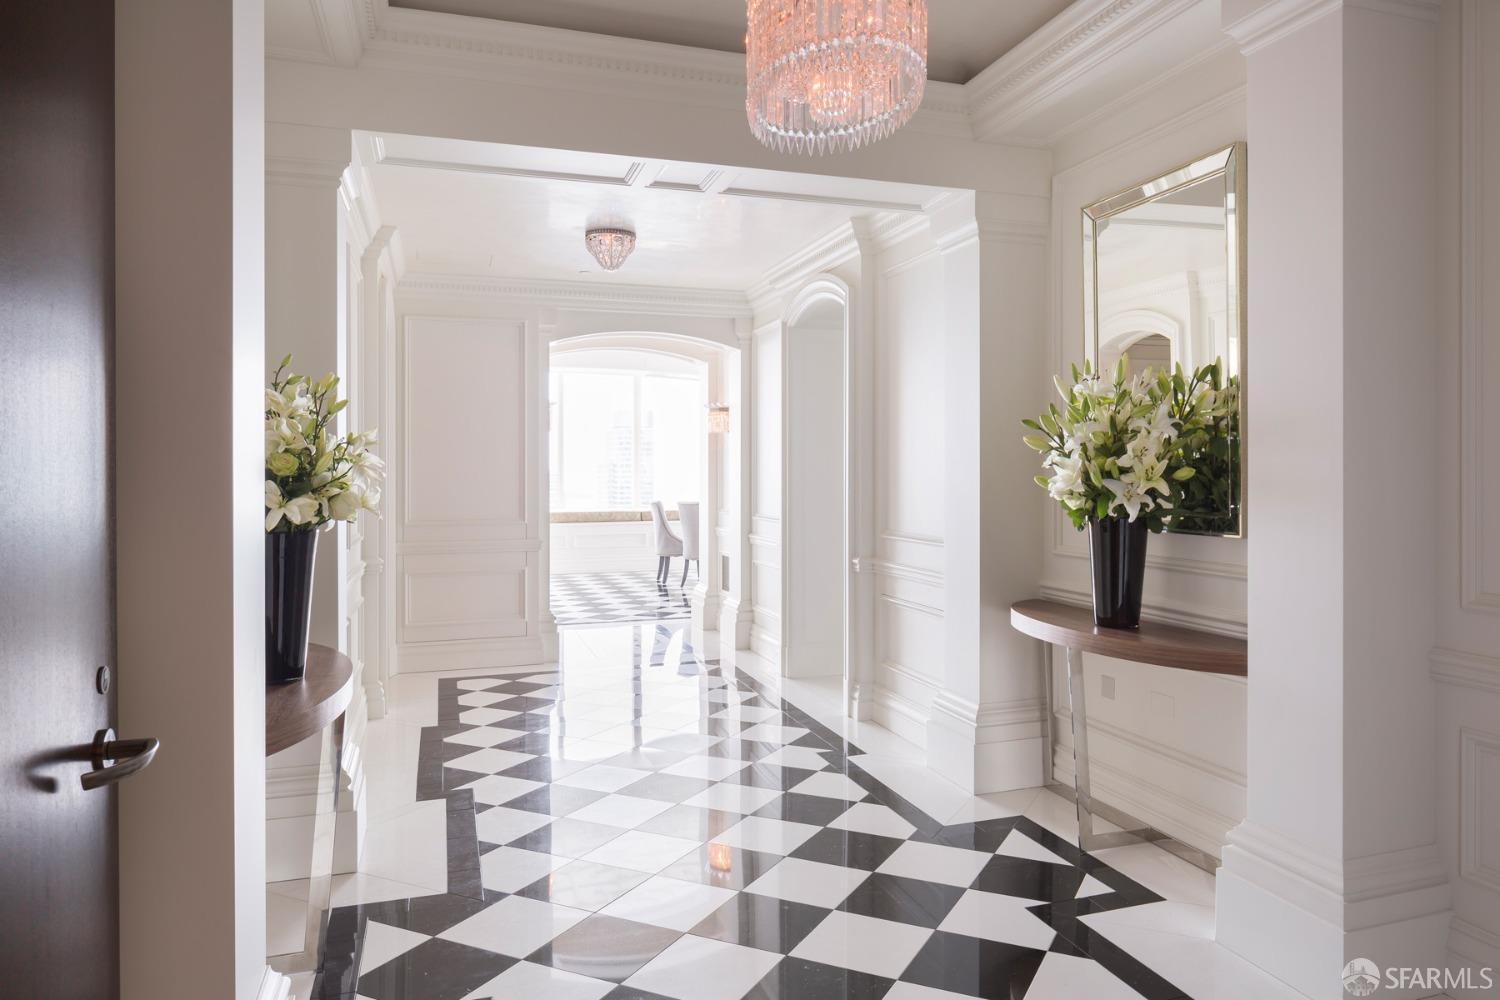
(909, 467)
(465, 491)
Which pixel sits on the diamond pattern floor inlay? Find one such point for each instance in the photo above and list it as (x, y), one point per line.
(656, 828)
(606, 598)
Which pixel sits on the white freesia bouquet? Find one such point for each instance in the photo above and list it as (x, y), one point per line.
(1130, 447)
(312, 476)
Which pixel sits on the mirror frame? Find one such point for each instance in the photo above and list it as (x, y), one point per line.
(1229, 163)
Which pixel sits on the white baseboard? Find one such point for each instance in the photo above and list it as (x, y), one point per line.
(1300, 916)
(274, 986)
(986, 748)
(903, 717)
(766, 645)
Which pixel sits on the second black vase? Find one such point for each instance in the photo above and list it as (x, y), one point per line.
(289, 579)
(1117, 552)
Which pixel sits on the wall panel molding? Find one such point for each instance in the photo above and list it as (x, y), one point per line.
(1462, 669)
(1478, 781)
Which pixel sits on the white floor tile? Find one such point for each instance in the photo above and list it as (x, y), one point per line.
(525, 981)
(803, 757)
(483, 736)
(484, 716)
(912, 991)
(696, 968)
(410, 846)
(383, 943)
(773, 836)
(603, 778)
(810, 882)
(1064, 977)
(668, 902)
(1018, 845)
(515, 926)
(711, 768)
(935, 863)
(349, 890)
(1091, 887)
(872, 817)
(626, 811)
(488, 761)
(729, 797)
(998, 918)
(770, 732)
(494, 789)
(642, 852)
(508, 869)
(852, 941)
(1175, 940)
(501, 825)
(830, 784)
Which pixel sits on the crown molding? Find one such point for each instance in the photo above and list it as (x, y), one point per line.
(1277, 19)
(1046, 68)
(1051, 63)
(580, 295)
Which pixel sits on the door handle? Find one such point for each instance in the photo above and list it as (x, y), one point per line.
(115, 759)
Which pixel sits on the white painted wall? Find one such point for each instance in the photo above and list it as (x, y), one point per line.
(1169, 746)
(604, 547)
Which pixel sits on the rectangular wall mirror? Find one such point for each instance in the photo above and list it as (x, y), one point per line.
(1164, 284)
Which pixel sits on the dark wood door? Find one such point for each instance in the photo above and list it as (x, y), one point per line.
(59, 908)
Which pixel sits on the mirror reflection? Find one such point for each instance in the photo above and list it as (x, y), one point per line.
(1162, 289)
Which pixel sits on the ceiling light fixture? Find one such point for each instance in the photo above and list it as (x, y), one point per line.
(829, 76)
(610, 247)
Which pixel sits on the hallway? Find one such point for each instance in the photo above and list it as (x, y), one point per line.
(639, 824)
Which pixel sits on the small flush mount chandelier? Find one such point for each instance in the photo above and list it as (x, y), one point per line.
(610, 247)
(829, 76)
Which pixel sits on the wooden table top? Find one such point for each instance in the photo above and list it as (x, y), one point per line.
(1153, 642)
(297, 710)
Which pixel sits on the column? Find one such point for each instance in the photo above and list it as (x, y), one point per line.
(706, 594)
(987, 730)
(737, 608)
(859, 680)
(1337, 856)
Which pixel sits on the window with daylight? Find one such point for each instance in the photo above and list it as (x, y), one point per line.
(621, 439)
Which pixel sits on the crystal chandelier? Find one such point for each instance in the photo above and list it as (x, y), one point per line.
(610, 247)
(828, 76)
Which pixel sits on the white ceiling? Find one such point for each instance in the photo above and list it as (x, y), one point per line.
(508, 211)
(964, 36)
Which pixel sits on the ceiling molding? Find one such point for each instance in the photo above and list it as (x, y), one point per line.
(581, 295)
(1050, 65)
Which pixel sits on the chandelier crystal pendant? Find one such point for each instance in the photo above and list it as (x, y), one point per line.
(610, 247)
(829, 76)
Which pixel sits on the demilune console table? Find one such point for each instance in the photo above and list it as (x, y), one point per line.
(1168, 646)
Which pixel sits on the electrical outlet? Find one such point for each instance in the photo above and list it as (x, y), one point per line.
(1107, 686)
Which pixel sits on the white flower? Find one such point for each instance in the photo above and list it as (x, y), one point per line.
(1128, 495)
(297, 510)
(1149, 474)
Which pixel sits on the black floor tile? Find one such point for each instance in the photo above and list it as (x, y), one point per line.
(799, 979)
(848, 848)
(974, 968)
(762, 922)
(904, 900)
(433, 970)
(795, 807)
(603, 947)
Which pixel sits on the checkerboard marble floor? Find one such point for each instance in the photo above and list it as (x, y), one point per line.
(637, 824)
(604, 598)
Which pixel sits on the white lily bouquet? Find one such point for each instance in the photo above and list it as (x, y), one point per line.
(314, 477)
(1136, 447)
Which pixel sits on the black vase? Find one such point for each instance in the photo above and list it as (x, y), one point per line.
(1117, 550)
(289, 582)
